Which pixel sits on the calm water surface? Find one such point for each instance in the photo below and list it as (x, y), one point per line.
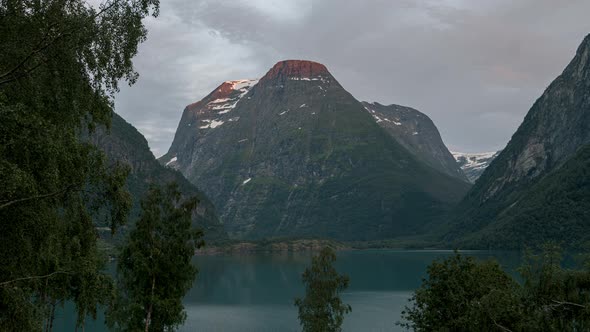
(256, 292)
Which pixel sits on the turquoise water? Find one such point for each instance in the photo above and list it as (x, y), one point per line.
(256, 292)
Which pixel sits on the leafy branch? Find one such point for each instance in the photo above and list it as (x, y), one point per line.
(25, 199)
(4, 283)
(43, 46)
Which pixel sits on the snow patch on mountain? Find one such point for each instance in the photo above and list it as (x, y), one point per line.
(225, 105)
(211, 124)
(381, 119)
(243, 84)
(310, 79)
(171, 161)
(474, 164)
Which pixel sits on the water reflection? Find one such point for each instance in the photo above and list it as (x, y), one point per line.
(255, 292)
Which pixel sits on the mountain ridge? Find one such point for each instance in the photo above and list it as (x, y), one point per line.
(305, 69)
(416, 132)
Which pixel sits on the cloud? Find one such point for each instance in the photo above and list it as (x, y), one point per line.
(475, 67)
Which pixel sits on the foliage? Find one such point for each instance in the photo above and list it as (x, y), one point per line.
(556, 299)
(61, 63)
(322, 310)
(462, 294)
(154, 268)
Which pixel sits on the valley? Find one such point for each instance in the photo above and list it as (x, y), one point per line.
(294, 166)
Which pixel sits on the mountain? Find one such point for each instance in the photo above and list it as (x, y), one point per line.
(473, 164)
(554, 133)
(125, 144)
(556, 208)
(295, 155)
(418, 134)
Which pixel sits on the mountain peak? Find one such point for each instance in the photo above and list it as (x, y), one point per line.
(227, 94)
(296, 69)
(585, 43)
(579, 68)
(239, 84)
(228, 87)
(416, 132)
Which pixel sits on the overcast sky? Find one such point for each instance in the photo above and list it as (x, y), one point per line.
(474, 67)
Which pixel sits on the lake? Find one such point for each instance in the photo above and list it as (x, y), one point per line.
(255, 292)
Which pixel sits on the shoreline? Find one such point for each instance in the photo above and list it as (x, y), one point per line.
(313, 245)
(286, 246)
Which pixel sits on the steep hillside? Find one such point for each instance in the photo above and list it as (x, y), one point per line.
(296, 155)
(555, 128)
(557, 208)
(124, 143)
(473, 164)
(418, 134)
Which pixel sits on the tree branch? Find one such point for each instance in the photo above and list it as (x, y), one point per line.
(102, 11)
(26, 72)
(41, 48)
(505, 329)
(27, 58)
(25, 199)
(2, 284)
(569, 303)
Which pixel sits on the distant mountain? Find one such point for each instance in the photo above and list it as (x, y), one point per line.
(124, 143)
(537, 188)
(418, 134)
(473, 164)
(295, 155)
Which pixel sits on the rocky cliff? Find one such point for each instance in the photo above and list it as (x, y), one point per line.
(552, 133)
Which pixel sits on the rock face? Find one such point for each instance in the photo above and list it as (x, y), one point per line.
(473, 164)
(209, 113)
(552, 133)
(125, 144)
(296, 155)
(418, 134)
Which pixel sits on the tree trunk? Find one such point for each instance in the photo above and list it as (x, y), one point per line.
(52, 318)
(149, 313)
(83, 325)
(44, 301)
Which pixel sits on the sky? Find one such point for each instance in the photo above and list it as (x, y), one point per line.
(474, 67)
